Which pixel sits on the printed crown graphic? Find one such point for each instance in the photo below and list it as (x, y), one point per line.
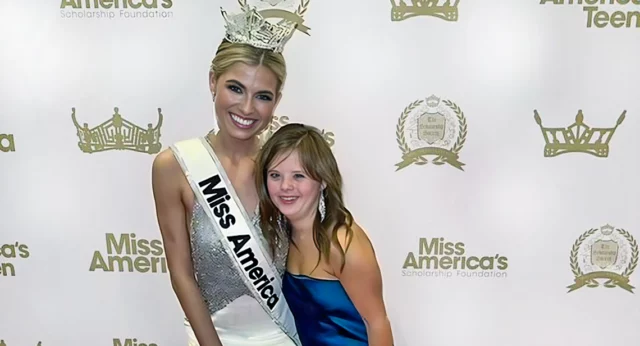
(606, 229)
(577, 137)
(448, 10)
(250, 27)
(433, 101)
(118, 133)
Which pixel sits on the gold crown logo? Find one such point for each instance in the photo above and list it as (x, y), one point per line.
(402, 11)
(606, 229)
(611, 254)
(433, 101)
(118, 133)
(578, 137)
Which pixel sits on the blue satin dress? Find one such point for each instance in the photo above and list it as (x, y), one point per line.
(324, 314)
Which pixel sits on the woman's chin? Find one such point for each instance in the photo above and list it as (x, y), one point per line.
(286, 211)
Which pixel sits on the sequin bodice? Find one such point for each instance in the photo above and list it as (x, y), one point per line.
(219, 281)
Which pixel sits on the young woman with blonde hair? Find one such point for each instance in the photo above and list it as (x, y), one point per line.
(225, 273)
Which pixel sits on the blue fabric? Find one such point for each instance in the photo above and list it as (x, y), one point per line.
(324, 314)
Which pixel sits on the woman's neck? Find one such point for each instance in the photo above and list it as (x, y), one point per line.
(235, 149)
(302, 229)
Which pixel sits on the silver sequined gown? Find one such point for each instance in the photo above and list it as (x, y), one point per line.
(237, 316)
(218, 279)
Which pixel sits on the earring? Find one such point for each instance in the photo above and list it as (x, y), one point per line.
(213, 97)
(322, 208)
(281, 223)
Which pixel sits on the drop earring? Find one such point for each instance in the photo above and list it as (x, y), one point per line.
(281, 223)
(322, 208)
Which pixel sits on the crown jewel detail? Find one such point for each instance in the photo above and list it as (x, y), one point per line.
(253, 28)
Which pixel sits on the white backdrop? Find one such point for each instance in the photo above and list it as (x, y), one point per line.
(354, 76)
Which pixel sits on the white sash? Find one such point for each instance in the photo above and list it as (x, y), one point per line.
(211, 188)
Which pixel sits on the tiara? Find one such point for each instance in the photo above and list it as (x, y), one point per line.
(251, 27)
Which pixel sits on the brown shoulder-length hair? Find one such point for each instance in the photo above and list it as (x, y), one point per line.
(318, 162)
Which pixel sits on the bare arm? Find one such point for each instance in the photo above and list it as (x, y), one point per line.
(170, 211)
(362, 281)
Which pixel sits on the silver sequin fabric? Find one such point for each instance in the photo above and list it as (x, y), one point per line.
(218, 279)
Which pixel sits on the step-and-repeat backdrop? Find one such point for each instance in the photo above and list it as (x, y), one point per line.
(490, 148)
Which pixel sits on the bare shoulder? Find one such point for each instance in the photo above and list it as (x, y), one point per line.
(167, 179)
(356, 238)
(165, 163)
(357, 248)
(166, 171)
